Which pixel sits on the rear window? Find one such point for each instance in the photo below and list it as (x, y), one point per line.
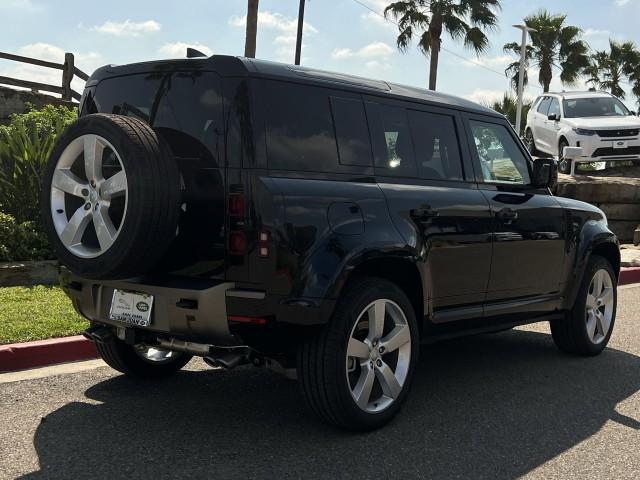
(186, 106)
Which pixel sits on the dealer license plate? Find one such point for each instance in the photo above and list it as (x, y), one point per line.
(619, 144)
(131, 307)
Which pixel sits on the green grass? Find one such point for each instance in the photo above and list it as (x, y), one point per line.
(36, 313)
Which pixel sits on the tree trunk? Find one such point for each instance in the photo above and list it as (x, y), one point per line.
(299, 36)
(545, 76)
(435, 32)
(252, 29)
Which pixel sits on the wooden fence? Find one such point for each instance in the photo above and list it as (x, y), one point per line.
(69, 70)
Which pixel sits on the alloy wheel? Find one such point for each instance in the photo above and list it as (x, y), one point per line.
(89, 196)
(599, 308)
(155, 355)
(378, 355)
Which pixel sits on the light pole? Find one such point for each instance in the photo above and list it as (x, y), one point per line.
(299, 35)
(521, 71)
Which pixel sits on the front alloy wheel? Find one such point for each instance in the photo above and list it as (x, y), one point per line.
(599, 306)
(587, 328)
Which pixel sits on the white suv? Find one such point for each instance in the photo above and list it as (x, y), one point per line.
(597, 122)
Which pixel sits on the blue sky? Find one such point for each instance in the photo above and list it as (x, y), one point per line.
(340, 35)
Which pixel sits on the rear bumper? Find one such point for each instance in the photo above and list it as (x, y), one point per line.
(196, 311)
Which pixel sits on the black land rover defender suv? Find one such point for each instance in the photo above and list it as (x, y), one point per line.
(319, 224)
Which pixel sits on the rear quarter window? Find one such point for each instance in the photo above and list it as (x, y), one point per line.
(300, 133)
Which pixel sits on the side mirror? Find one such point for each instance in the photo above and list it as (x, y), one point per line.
(554, 117)
(633, 112)
(545, 173)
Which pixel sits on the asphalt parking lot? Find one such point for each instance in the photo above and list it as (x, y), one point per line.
(496, 406)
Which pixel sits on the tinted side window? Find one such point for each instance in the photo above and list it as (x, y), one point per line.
(352, 133)
(500, 158)
(554, 107)
(436, 146)
(300, 134)
(391, 136)
(543, 108)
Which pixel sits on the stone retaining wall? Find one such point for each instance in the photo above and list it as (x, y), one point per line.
(19, 274)
(618, 197)
(15, 101)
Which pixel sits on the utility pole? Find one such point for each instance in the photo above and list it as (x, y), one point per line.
(521, 72)
(300, 26)
(252, 29)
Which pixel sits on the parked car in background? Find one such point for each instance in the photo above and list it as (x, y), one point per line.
(597, 122)
(320, 224)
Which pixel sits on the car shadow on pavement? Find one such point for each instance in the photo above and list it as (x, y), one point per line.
(494, 406)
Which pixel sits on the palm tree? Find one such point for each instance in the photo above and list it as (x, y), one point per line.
(508, 107)
(463, 20)
(252, 29)
(553, 44)
(607, 70)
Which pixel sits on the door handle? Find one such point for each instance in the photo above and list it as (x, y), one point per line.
(507, 215)
(423, 214)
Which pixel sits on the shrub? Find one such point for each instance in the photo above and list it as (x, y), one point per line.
(25, 146)
(22, 241)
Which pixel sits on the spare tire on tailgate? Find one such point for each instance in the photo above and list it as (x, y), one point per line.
(110, 197)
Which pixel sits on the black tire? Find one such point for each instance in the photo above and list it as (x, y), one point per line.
(122, 357)
(570, 334)
(530, 143)
(564, 164)
(322, 371)
(152, 198)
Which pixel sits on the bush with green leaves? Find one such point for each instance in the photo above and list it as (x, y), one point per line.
(25, 146)
(22, 241)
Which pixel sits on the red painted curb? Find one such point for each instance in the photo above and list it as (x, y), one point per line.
(629, 275)
(19, 356)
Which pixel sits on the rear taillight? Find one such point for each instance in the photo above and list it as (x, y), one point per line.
(237, 241)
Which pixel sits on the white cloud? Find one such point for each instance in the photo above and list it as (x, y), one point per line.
(274, 21)
(593, 32)
(372, 50)
(377, 65)
(179, 49)
(85, 61)
(376, 49)
(480, 95)
(286, 27)
(497, 61)
(622, 3)
(128, 28)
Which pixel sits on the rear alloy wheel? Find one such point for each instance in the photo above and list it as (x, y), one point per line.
(110, 197)
(140, 360)
(356, 373)
(588, 327)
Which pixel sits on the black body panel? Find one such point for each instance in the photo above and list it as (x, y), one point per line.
(326, 177)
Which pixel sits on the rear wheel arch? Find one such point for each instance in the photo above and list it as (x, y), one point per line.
(398, 270)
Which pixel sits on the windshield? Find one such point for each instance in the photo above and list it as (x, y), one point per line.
(594, 107)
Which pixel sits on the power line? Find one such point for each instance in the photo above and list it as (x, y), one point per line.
(470, 60)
